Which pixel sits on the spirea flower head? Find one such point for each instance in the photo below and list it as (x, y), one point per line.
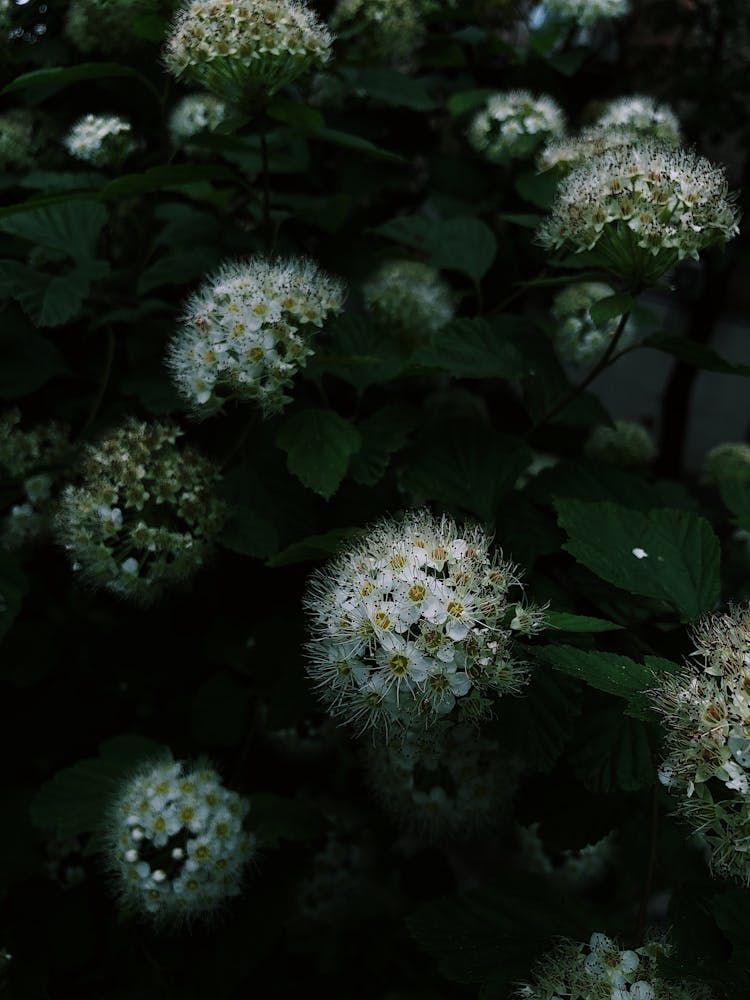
(414, 623)
(602, 970)
(643, 116)
(102, 140)
(626, 444)
(392, 29)
(730, 460)
(448, 783)
(409, 298)
(145, 515)
(586, 12)
(514, 125)
(239, 49)
(193, 114)
(30, 467)
(563, 155)
(248, 331)
(642, 208)
(706, 712)
(24, 135)
(578, 339)
(176, 841)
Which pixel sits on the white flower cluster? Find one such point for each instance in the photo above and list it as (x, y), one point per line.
(643, 208)
(730, 460)
(409, 298)
(706, 712)
(102, 140)
(413, 622)
(447, 785)
(24, 134)
(193, 114)
(391, 29)
(563, 155)
(626, 444)
(248, 330)
(176, 841)
(601, 970)
(145, 514)
(240, 48)
(642, 116)
(578, 339)
(586, 12)
(514, 125)
(30, 463)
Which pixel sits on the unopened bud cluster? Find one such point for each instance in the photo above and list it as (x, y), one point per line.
(145, 515)
(586, 12)
(514, 125)
(176, 841)
(449, 783)
(730, 460)
(249, 330)
(101, 140)
(239, 49)
(193, 114)
(626, 444)
(24, 135)
(602, 970)
(30, 464)
(706, 712)
(642, 208)
(408, 298)
(578, 339)
(414, 623)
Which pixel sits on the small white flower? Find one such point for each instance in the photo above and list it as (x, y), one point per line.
(101, 140)
(514, 125)
(408, 297)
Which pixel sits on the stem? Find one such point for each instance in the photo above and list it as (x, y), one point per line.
(640, 923)
(239, 442)
(267, 231)
(598, 368)
(103, 383)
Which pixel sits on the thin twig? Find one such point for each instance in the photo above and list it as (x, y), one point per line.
(598, 368)
(640, 923)
(103, 382)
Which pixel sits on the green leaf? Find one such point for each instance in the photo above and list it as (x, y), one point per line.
(537, 189)
(13, 588)
(529, 221)
(542, 720)
(669, 555)
(694, 354)
(165, 178)
(611, 307)
(250, 533)
(468, 100)
(29, 359)
(315, 547)
(73, 227)
(465, 245)
(355, 142)
(360, 353)
(295, 114)
(465, 470)
(566, 622)
(612, 751)
(735, 493)
(388, 86)
(54, 78)
(178, 269)
(273, 818)
(76, 800)
(319, 445)
(608, 672)
(475, 348)
(49, 300)
(383, 434)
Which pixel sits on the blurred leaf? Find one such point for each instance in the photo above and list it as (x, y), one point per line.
(29, 360)
(76, 800)
(611, 307)
(566, 622)
(165, 178)
(319, 445)
(694, 354)
(538, 189)
(464, 470)
(389, 86)
(461, 244)
(274, 819)
(72, 227)
(468, 100)
(355, 142)
(54, 78)
(538, 724)
(360, 353)
(178, 269)
(315, 547)
(612, 751)
(383, 434)
(49, 300)
(13, 588)
(670, 555)
(474, 348)
(295, 114)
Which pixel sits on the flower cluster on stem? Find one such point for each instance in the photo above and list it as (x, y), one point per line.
(409, 298)
(101, 140)
(514, 125)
